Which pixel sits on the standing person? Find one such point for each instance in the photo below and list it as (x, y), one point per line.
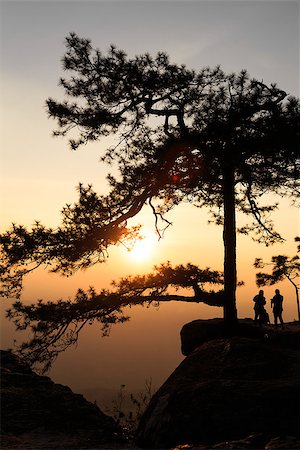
(259, 302)
(276, 302)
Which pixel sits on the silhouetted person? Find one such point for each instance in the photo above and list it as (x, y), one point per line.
(276, 302)
(259, 302)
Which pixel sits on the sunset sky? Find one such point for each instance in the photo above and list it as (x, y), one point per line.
(38, 174)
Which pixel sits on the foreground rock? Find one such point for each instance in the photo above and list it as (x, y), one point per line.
(39, 414)
(254, 441)
(223, 391)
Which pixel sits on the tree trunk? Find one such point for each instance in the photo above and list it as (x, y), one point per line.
(297, 294)
(297, 299)
(229, 239)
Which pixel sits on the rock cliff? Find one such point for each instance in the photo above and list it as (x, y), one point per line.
(197, 332)
(39, 414)
(231, 392)
(225, 390)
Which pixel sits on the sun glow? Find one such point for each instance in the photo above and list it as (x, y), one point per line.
(142, 249)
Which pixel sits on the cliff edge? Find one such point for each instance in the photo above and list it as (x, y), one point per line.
(37, 413)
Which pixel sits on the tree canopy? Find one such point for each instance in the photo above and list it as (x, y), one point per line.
(213, 139)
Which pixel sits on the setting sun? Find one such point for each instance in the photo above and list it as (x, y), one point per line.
(142, 249)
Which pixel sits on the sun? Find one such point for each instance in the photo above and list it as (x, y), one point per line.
(142, 249)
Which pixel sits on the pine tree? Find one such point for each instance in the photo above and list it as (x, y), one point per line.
(215, 140)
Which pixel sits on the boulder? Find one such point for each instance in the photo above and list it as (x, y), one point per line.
(197, 332)
(224, 390)
(37, 413)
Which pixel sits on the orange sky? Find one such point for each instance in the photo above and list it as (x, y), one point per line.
(39, 173)
(189, 239)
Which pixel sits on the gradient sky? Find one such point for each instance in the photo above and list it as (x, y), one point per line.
(39, 173)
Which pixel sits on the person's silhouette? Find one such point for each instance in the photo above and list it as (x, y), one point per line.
(276, 303)
(259, 302)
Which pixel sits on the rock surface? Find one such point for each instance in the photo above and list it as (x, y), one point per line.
(254, 441)
(39, 414)
(197, 332)
(224, 390)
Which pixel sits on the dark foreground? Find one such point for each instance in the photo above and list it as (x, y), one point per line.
(39, 414)
(234, 392)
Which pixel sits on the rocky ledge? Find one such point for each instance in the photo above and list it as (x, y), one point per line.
(197, 332)
(229, 392)
(234, 390)
(39, 414)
